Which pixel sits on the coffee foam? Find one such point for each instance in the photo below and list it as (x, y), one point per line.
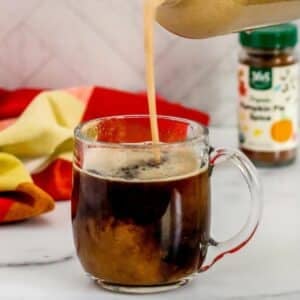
(125, 165)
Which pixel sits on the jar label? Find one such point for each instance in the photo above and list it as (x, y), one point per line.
(260, 78)
(268, 108)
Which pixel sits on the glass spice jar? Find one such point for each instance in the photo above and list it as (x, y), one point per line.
(268, 92)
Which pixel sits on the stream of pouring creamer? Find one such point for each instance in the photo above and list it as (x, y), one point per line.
(150, 8)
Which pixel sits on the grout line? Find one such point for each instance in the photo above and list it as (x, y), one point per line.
(54, 54)
(12, 30)
(36, 70)
(188, 90)
(21, 22)
(166, 49)
(103, 36)
(51, 55)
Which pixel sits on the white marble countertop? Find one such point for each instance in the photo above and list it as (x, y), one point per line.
(268, 268)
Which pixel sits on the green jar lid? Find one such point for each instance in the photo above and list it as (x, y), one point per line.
(274, 37)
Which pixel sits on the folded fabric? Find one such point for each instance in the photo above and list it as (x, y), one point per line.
(13, 103)
(41, 137)
(107, 102)
(19, 198)
(36, 141)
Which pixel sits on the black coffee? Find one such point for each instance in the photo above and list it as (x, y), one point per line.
(141, 232)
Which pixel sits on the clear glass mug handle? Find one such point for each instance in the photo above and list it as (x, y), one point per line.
(250, 175)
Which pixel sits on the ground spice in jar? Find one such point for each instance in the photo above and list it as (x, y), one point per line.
(268, 89)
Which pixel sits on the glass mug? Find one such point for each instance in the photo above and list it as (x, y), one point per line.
(141, 211)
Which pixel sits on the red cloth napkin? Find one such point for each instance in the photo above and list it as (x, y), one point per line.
(13, 103)
(56, 179)
(107, 102)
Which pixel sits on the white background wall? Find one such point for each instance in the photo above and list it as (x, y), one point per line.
(59, 43)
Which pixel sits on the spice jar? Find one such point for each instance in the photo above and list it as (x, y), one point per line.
(268, 90)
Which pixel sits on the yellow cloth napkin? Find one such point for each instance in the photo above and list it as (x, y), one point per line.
(43, 132)
(12, 172)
